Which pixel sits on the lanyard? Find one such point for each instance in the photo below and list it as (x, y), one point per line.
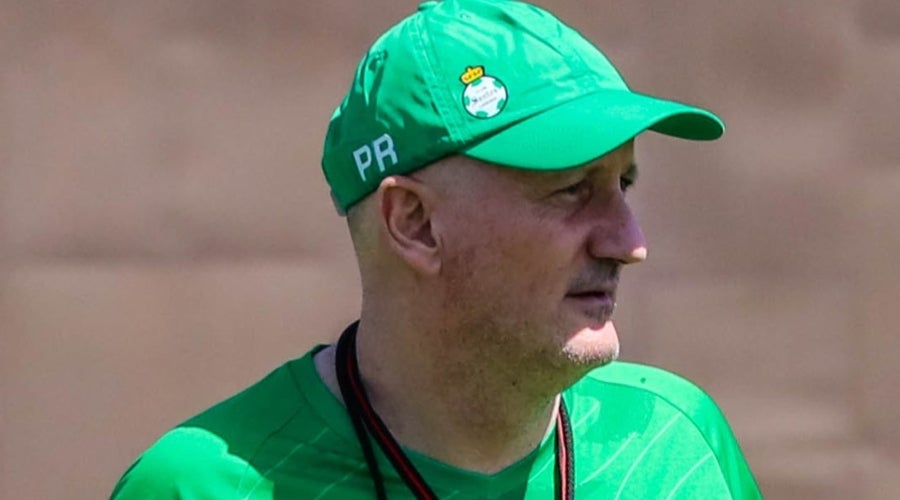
(367, 423)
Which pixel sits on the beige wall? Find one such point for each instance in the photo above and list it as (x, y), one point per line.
(166, 237)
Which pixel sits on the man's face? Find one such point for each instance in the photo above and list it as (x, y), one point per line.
(533, 258)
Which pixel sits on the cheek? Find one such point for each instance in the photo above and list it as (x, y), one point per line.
(510, 262)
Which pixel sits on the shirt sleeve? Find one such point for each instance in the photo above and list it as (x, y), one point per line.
(191, 464)
(713, 431)
(731, 460)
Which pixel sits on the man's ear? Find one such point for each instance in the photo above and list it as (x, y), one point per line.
(404, 210)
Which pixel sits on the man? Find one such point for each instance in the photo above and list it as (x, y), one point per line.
(482, 157)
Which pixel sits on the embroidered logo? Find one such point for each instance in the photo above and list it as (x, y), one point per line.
(484, 96)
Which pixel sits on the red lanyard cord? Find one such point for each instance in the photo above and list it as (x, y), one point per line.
(565, 460)
(366, 423)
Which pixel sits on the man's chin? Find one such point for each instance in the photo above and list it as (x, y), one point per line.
(594, 345)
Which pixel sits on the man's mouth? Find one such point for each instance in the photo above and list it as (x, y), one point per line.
(598, 303)
(593, 291)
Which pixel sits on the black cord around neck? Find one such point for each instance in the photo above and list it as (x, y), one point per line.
(366, 423)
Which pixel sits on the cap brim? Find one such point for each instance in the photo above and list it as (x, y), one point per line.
(589, 127)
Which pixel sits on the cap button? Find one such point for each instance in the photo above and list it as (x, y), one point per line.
(428, 5)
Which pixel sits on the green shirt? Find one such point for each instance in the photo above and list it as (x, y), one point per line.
(639, 433)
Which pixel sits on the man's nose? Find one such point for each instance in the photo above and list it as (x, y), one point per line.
(617, 234)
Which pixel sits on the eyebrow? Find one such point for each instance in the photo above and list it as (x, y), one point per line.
(631, 171)
(552, 177)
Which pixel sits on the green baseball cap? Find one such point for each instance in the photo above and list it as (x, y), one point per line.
(501, 81)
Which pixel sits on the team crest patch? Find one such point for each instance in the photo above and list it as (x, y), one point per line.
(484, 96)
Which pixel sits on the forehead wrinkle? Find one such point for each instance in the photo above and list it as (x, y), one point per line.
(461, 172)
(607, 162)
(594, 168)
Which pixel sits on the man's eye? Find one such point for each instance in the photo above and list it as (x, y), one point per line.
(579, 189)
(625, 183)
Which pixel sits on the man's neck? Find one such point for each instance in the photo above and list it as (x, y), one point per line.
(447, 406)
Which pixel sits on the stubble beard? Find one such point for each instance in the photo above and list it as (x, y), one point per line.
(593, 354)
(546, 355)
(507, 338)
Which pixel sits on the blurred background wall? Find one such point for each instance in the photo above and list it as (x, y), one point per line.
(166, 237)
